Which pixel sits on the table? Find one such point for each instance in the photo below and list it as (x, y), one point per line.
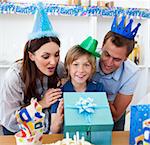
(118, 138)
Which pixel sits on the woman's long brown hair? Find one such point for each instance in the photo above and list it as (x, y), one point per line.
(30, 71)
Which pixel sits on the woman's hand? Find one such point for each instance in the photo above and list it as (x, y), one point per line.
(50, 97)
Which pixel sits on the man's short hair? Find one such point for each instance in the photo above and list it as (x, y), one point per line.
(119, 41)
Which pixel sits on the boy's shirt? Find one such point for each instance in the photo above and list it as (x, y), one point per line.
(92, 86)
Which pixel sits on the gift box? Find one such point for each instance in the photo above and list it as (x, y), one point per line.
(140, 125)
(88, 113)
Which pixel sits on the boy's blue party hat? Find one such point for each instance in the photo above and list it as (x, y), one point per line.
(123, 30)
(42, 26)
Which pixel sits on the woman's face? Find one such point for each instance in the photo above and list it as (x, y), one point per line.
(46, 58)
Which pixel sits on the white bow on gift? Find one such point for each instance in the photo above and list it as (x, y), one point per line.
(86, 106)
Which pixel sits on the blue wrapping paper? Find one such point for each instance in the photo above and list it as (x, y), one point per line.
(139, 119)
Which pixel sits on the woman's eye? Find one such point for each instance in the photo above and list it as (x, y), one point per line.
(45, 56)
(57, 55)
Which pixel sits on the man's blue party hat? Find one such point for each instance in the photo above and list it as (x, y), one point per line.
(123, 30)
(42, 26)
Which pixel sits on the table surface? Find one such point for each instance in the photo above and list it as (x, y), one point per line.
(118, 138)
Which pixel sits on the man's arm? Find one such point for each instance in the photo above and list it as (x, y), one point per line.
(119, 106)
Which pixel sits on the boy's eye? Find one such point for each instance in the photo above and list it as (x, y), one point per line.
(87, 64)
(75, 64)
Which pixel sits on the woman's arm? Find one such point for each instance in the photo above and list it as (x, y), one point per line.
(11, 99)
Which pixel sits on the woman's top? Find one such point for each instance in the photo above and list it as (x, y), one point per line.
(12, 96)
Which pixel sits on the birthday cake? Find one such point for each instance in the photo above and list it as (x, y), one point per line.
(70, 142)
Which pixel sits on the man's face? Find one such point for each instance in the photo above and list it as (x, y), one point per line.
(112, 57)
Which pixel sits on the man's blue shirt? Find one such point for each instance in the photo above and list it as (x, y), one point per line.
(122, 81)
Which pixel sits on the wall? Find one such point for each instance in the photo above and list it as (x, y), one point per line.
(119, 3)
(15, 28)
(72, 30)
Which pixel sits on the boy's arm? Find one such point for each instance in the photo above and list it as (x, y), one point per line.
(56, 125)
(57, 119)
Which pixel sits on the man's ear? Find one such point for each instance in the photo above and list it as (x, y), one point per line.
(126, 58)
(31, 56)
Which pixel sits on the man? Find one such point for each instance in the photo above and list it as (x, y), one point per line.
(118, 74)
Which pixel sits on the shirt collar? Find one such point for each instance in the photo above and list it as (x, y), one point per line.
(69, 87)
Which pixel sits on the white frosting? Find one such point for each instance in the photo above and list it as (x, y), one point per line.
(70, 142)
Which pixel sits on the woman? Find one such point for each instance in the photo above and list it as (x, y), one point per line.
(37, 75)
(34, 76)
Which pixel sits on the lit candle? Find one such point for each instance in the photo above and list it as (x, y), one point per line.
(82, 140)
(75, 139)
(67, 138)
(67, 135)
(78, 139)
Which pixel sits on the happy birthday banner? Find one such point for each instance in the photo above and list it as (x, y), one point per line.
(65, 10)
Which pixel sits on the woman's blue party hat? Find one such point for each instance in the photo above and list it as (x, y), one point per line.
(123, 30)
(42, 25)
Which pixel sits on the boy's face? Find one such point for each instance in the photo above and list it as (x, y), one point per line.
(112, 57)
(80, 70)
